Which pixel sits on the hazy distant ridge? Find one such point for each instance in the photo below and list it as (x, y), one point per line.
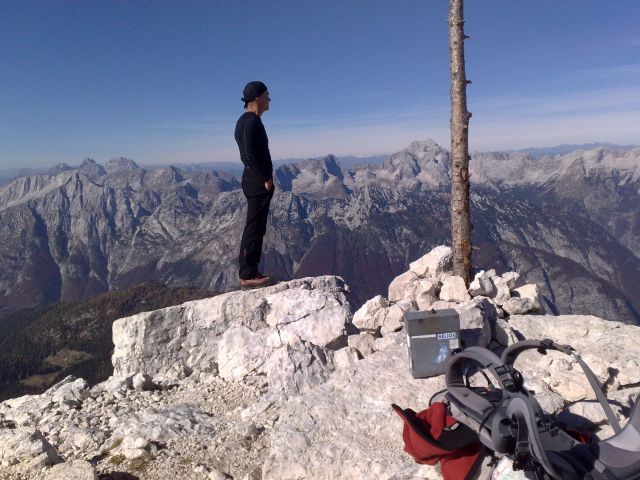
(569, 223)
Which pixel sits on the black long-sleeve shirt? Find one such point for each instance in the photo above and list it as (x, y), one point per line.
(254, 146)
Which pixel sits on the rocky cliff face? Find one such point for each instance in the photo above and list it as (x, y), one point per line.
(286, 383)
(569, 223)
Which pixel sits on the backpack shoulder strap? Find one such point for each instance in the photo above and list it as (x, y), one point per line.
(512, 352)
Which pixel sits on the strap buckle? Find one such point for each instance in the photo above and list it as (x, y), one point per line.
(510, 378)
(545, 344)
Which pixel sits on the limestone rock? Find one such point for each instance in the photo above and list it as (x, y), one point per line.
(70, 391)
(174, 341)
(565, 379)
(608, 345)
(517, 305)
(510, 278)
(530, 292)
(475, 322)
(442, 305)
(403, 286)
(346, 357)
(216, 474)
(246, 387)
(26, 448)
(502, 333)
(434, 263)
(394, 319)
(372, 314)
(549, 400)
(454, 290)
(482, 284)
(240, 352)
(142, 432)
(629, 373)
(359, 436)
(426, 293)
(74, 469)
(143, 382)
(295, 368)
(28, 410)
(592, 411)
(363, 343)
(503, 293)
(389, 340)
(315, 316)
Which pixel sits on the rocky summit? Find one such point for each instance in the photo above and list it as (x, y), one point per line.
(568, 223)
(288, 383)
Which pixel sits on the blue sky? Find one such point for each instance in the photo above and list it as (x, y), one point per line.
(160, 81)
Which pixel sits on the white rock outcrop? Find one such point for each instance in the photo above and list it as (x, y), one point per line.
(402, 286)
(511, 278)
(74, 469)
(531, 293)
(240, 352)
(359, 435)
(454, 290)
(426, 293)
(284, 383)
(372, 314)
(516, 305)
(27, 448)
(482, 284)
(433, 264)
(175, 341)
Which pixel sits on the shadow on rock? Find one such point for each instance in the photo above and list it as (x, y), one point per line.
(117, 476)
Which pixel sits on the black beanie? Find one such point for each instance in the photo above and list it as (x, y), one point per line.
(252, 90)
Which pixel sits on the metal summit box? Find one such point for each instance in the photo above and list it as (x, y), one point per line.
(431, 336)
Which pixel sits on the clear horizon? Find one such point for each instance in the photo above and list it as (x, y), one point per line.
(151, 164)
(160, 81)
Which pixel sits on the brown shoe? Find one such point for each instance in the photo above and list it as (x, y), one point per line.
(258, 282)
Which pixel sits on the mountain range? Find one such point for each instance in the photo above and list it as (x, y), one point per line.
(569, 223)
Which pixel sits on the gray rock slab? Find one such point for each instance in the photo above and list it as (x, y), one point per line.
(176, 340)
(27, 448)
(74, 469)
(609, 348)
(359, 435)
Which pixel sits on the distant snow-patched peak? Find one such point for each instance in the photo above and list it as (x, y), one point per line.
(59, 168)
(538, 152)
(314, 177)
(423, 162)
(519, 168)
(92, 169)
(121, 164)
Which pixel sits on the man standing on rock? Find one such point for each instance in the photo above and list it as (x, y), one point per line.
(257, 182)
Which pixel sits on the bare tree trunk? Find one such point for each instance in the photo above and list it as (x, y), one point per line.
(460, 217)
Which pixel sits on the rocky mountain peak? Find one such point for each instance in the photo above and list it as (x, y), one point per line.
(84, 234)
(428, 146)
(602, 160)
(286, 382)
(318, 178)
(327, 165)
(121, 164)
(423, 162)
(166, 176)
(59, 168)
(91, 168)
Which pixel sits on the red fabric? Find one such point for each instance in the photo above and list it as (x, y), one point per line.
(455, 465)
(579, 435)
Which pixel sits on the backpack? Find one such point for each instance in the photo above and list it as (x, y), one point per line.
(508, 422)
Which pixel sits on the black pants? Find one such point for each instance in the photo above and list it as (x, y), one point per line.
(254, 230)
